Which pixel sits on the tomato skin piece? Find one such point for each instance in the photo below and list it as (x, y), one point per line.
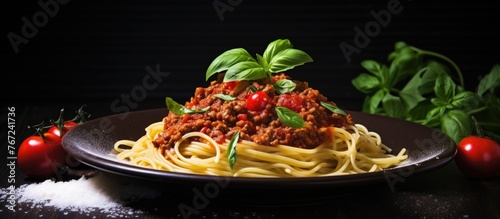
(242, 117)
(257, 101)
(40, 157)
(68, 125)
(291, 101)
(478, 157)
(231, 84)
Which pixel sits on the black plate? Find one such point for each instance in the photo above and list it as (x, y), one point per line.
(92, 144)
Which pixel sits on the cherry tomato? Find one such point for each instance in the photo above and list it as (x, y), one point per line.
(257, 101)
(478, 157)
(68, 125)
(291, 101)
(40, 157)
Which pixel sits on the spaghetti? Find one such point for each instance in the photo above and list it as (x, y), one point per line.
(351, 150)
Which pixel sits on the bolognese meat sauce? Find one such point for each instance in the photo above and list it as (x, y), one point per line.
(262, 126)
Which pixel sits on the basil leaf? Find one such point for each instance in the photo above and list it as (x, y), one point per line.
(429, 77)
(398, 46)
(290, 117)
(444, 87)
(372, 102)
(262, 62)
(227, 59)
(333, 108)
(410, 94)
(240, 65)
(276, 47)
(438, 102)
(179, 109)
(174, 106)
(288, 59)
(231, 150)
(419, 112)
(490, 81)
(405, 63)
(202, 110)
(366, 83)
(466, 100)
(388, 76)
(433, 116)
(393, 106)
(284, 86)
(225, 97)
(248, 70)
(372, 66)
(456, 124)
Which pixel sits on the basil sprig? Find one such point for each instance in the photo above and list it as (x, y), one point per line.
(231, 150)
(279, 56)
(179, 109)
(290, 117)
(428, 88)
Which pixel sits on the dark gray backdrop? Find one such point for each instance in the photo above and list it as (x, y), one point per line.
(99, 51)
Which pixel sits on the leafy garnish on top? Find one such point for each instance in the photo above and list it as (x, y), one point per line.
(238, 64)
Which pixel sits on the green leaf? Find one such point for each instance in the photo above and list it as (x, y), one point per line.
(225, 97)
(333, 108)
(231, 150)
(398, 46)
(405, 63)
(410, 94)
(392, 76)
(429, 77)
(438, 102)
(433, 116)
(179, 109)
(366, 83)
(290, 118)
(393, 106)
(288, 59)
(227, 59)
(466, 100)
(371, 103)
(284, 86)
(262, 62)
(456, 124)
(175, 107)
(387, 77)
(248, 70)
(419, 112)
(276, 47)
(490, 81)
(372, 66)
(279, 56)
(444, 87)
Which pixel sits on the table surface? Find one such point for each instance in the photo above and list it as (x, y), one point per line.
(440, 193)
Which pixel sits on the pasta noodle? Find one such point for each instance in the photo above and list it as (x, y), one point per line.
(352, 149)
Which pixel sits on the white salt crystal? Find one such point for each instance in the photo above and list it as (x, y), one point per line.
(81, 193)
(103, 191)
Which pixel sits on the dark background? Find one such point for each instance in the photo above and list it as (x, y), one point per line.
(93, 52)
